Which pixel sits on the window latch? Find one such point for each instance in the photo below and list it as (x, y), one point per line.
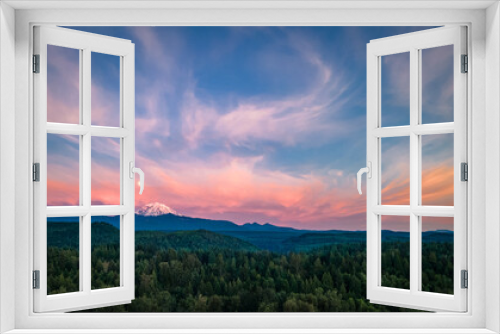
(368, 171)
(132, 171)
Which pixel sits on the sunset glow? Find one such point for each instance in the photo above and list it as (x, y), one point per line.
(247, 124)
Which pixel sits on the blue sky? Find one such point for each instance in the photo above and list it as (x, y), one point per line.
(261, 124)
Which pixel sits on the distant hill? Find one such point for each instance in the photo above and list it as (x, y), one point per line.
(170, 230)
(171, 222)
(310, 240)
(192, 240)
(66, 235)
(438, 236)
(256, 227)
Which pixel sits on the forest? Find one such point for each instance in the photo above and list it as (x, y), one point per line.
(203, 271)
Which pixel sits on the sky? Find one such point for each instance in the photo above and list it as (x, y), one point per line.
(253, 124)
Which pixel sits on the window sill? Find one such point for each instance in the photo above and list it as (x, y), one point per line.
(251, 331)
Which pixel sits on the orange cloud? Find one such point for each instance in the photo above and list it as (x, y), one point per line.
(437, 185)
(237, 188)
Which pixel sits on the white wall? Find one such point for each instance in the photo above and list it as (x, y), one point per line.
(492, 166)
(7, 160)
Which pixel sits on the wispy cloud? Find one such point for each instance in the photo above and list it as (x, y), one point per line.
(224, 118)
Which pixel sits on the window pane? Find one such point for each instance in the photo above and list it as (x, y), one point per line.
(395, 86)
(105, 171)
(437, 254)
(437, 169)
(63, 85)
(63, 169)
(105, 252)
(437, 84)
(63, 258)
(395, 251)
(105, 90)
(395, 167)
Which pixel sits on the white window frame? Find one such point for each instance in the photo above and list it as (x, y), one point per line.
(482, 19)
(413, 43)
(85, 43)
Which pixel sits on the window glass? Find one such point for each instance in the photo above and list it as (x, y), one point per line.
(437, 169)
(106, 171)
(395, 86)
(105, 252)
(395, 240)
(105, 90)
(437, 254)
(395, 167)
(437, 84)
(63, 85)
(63, 255)
(63, 170)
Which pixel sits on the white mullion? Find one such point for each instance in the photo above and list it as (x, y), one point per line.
(414, 170)
(418, 127)
(377, 197)
(67, 129)
(51, 127)
(392, 210)
(379, 250)
(421, 129)
(66, 211)
(372, 184)
(127, 225)
(85, 165)
(106, 131)
(98, 210)
(81, 130)
(108, 210)
(434, 211)
(392, 131)
(122, 174)
(433, 129)
(406, 210)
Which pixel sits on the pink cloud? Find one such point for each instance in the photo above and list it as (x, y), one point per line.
(236, 185)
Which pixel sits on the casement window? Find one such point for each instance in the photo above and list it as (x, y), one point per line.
(423, 120)
(81, 123)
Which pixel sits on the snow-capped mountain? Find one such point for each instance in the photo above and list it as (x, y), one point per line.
(156, 209)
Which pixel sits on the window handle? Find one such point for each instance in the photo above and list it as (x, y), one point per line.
(368, 171)
(139, 171)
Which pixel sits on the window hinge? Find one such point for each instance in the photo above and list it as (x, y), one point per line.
(36, 172)
(36, 279)
(465, 279)
(36, 63)
(464, 171)
(465, 64)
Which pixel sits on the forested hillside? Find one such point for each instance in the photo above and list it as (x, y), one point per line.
(201, 271)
